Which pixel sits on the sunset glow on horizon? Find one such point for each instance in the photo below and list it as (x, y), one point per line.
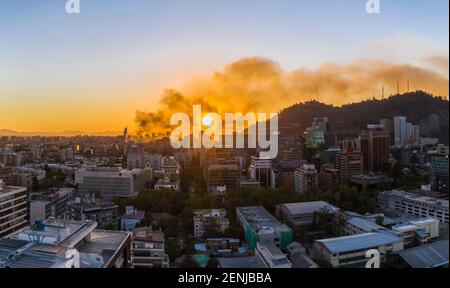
(118, 63)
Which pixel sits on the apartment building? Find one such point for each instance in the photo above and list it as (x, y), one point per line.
(148, 249)
(13, 208)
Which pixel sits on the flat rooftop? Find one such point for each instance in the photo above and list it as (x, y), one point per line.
(104, 243)
(309, 207)
(11, 189)
(257, 216)
(365, 225)
(418, 198)
(359, 241)
(253, 262)
(95, 251)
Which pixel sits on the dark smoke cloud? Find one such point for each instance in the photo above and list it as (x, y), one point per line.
(261, 85)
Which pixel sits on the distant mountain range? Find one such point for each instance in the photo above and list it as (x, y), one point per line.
(67, 133)
(420, 108)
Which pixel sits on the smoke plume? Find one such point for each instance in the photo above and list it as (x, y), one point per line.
(261, 85)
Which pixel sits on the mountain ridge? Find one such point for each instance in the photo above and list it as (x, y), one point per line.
(430, 112)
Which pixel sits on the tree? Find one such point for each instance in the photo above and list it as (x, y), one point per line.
(173, 249)
(189, 262)
(213, 263)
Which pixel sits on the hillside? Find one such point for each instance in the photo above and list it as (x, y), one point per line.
(431, 113)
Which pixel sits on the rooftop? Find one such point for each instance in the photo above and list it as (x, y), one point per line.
(47, 244)
(253, 262)
(427, 256)
(418, 198)
(104, 243)
(148, 234)
(359, 241)
(257, 216)
(365, 225)
(310, 207)
(11, 189)
(302, 261)
(137, 215)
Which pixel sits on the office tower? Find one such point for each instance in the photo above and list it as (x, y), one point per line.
(66, 154)
(439, 171)
(10, 158)
(226, 176)
(316, 134)
(13, 207)
(400, 130)
(170, 168)
(306, 179)
(261, 171)
(322, 124)
(416, 134)
(328, 178)
(110, 182)
(124, 141)
(387, 124)
(330, 139)
(375, 149)
(349, 163)
(352, 144)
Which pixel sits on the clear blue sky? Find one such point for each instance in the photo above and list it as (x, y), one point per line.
(43, 49)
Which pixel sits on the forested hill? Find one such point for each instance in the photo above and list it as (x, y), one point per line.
(430, 112)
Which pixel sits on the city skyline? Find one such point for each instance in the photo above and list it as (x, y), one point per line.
(92, 75)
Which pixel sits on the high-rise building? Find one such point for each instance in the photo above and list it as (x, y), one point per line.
(400, 130)
(306, 179)
(375, 145)
(10, 158)
(328, 178)
(223, 176)
(439, 176)
(13, 208)
(261, 171)
(416, 134)
(66, 154)
(322, 124)
(171, 169)
(349, 163)
(124, 141)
